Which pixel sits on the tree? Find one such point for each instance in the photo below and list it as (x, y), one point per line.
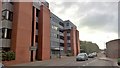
(89, 47)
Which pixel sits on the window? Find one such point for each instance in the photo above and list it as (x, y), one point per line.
(61, 24)
(61, 30)
(54, 27)
(7, 15)
(9, 31)
(6, 33)
(62, 44)
(68, 37)
(61, 37)
(67, 24)
(68, 31)
(68, 44)
(11, 3)
(36, 38)
(37, 12)
(57, 35)
(36, 25)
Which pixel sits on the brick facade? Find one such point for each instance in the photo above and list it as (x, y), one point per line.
(21, 31)
(74, 40)
(44, 34)
(113, 48)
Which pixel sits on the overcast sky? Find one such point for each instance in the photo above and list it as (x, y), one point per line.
(97, 21)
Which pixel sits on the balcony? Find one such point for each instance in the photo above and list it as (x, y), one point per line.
(7, 24)
(36, 32)
(37, 19)
(68, 41)
(68, 34)
(4, 42)
(7, 6)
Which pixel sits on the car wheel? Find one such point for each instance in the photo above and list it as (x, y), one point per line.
(77, 60)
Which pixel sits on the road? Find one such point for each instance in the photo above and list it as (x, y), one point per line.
(71, 61)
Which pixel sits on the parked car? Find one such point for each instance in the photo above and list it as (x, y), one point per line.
(82, 56)
(94, 54)
(90, 55)
(1, 65)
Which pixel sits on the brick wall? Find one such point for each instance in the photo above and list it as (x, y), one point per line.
(44, 34)
(21, 31)
(112, 50)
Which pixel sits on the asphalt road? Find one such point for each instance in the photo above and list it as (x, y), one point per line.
(71, 61)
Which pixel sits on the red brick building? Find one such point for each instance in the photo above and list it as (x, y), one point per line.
(26, 31)
(71, 35)
(113, 48)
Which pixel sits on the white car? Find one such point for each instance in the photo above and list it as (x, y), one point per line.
(1, 65)
(81, 56)
(94, 54)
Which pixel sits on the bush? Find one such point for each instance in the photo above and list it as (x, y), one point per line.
(118, 61)
(69, 54)
(10, 55)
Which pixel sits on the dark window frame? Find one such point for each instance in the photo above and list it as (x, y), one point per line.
(7, 15)
(8, 35)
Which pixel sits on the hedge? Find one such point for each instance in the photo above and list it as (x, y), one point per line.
(118, 61)
(7, 56)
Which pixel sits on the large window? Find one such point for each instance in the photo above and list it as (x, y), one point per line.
(8, 15)
(6, 33)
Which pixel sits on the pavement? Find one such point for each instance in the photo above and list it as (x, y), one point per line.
(109, 59)
(101, 60)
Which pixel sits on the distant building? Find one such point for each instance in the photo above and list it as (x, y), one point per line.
(71, 40)
(56, 36)
(113, 48)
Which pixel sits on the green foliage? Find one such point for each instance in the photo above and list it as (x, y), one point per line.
(89, 47)
(119, 60)
(7, 56)
(69, 53)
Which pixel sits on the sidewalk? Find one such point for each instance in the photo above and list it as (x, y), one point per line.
(109, 59)
(54, 61)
